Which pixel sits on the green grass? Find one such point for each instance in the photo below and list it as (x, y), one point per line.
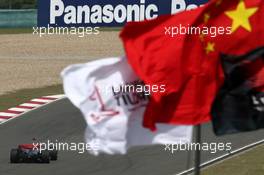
(15, 98)
(30, 30)
(15, 30)
(248, 163)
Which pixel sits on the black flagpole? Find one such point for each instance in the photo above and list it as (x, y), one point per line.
(197, 151)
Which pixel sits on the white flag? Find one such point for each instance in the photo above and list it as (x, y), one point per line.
(112, 100)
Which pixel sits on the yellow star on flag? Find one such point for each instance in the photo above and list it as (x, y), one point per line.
(241, 16)
(210, 47)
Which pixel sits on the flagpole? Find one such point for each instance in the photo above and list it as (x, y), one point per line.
(197, 151)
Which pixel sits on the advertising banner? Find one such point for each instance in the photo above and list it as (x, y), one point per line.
(75, 13)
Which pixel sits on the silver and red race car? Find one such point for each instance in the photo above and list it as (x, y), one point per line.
(29, 153)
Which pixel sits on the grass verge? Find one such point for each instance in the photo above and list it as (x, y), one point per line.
(30, 30)
(13, 99)
(248, 163)
(15, 30)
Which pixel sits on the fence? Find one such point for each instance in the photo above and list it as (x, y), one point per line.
(18, 18)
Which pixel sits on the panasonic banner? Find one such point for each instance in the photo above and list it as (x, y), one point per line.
(74, 13)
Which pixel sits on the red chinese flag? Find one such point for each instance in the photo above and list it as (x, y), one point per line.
(180, 63)
(188, 64)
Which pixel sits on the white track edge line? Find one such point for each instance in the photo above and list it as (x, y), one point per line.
(227, 155)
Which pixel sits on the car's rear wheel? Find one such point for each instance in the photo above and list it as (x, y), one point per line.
(45, 156)
(53, 155)
(14, 156)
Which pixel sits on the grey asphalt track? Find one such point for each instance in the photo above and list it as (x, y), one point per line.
(63, 122)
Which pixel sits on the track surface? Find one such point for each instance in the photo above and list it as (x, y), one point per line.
(61, 121)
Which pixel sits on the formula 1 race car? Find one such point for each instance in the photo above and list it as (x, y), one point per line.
(28, 153)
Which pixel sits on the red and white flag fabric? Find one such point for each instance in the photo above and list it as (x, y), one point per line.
(104, 91)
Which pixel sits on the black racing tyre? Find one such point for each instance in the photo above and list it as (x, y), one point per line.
(45, 156)
(53, 155)
(14, 156)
